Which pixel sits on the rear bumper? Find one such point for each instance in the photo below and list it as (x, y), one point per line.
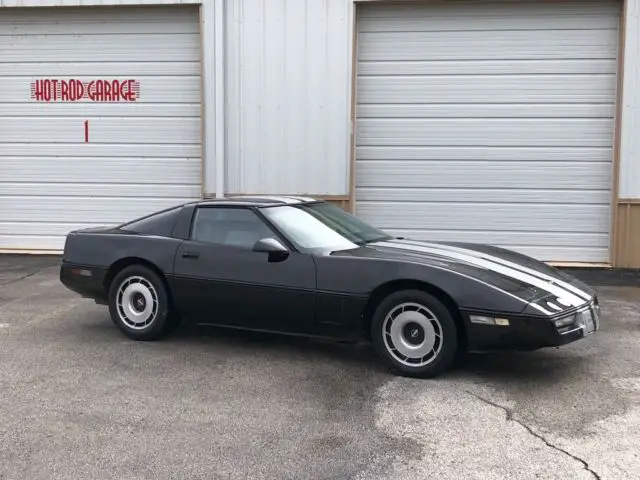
(87, 281)
(524, 334)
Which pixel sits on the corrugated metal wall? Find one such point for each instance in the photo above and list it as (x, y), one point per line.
(489, 122)
(288, 96)
(630, 126)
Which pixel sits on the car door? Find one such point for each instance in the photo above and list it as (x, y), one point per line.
(219, 279)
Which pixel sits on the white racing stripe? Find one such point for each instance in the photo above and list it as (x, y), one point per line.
(507, 263)
(563, 294)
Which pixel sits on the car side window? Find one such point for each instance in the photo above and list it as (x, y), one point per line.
(238, 227)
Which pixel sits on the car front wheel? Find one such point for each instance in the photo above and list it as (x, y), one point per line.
(414, 334)
(139, 304)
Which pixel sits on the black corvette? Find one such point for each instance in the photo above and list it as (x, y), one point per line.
(305, 267)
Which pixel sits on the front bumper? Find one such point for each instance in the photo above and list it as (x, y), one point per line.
(524, 333)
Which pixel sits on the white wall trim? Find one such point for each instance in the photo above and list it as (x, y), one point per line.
(220, 134)
(213, 95)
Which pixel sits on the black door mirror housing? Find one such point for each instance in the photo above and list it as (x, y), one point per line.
(276, 250)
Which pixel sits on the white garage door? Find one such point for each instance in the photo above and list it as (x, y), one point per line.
(99, 118)
(489, 122)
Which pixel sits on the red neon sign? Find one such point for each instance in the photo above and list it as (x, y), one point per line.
(72, 90)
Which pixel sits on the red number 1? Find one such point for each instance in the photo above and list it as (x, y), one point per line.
(86, 131)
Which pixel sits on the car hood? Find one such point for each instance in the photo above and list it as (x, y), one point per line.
(518, 274)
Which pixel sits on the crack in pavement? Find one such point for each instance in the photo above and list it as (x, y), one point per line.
(28, 275)
(510, 418)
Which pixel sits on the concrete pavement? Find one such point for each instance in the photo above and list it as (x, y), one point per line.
(78, 400)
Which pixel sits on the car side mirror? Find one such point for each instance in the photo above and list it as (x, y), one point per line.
(276, 250)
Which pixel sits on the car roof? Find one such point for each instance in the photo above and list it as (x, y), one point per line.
(258, 200)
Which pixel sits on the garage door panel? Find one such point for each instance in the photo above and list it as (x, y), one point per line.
(170, 110)
(486, 132)
(31, 242)
(139, 157)
(484, 22)
(487, 45)
(486, 89)
(461, 110)
(451, 153)
(487, 67)
(153, 89)
(105, 189)
(78, 211)
(489, 121)
(41, 229)
(476, 195)
(414, 52)
(132, 20)
(488, 217)
(587, 176)
(533, 11)
(91, 170)
(90, 48)
(104, 130)
(102, 69)
(92, 151)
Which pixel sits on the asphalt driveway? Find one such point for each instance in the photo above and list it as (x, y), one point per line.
(80, 401)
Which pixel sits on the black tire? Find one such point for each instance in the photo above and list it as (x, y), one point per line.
(441, 352)
(160, 320)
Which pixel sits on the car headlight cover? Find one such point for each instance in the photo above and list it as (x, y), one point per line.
(485, 320)
(564, 321)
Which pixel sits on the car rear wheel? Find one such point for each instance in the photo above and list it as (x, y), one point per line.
(414, 334)
(139, 304)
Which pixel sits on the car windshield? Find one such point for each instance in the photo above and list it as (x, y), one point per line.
(322, 225)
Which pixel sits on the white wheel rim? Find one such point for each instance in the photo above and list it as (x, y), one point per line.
(412, 334)
(137, 303)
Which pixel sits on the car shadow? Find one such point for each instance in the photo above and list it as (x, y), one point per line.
(547, 365)
(276, 344)
(239, 344)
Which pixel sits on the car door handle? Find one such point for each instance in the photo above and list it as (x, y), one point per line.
(188, 254)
